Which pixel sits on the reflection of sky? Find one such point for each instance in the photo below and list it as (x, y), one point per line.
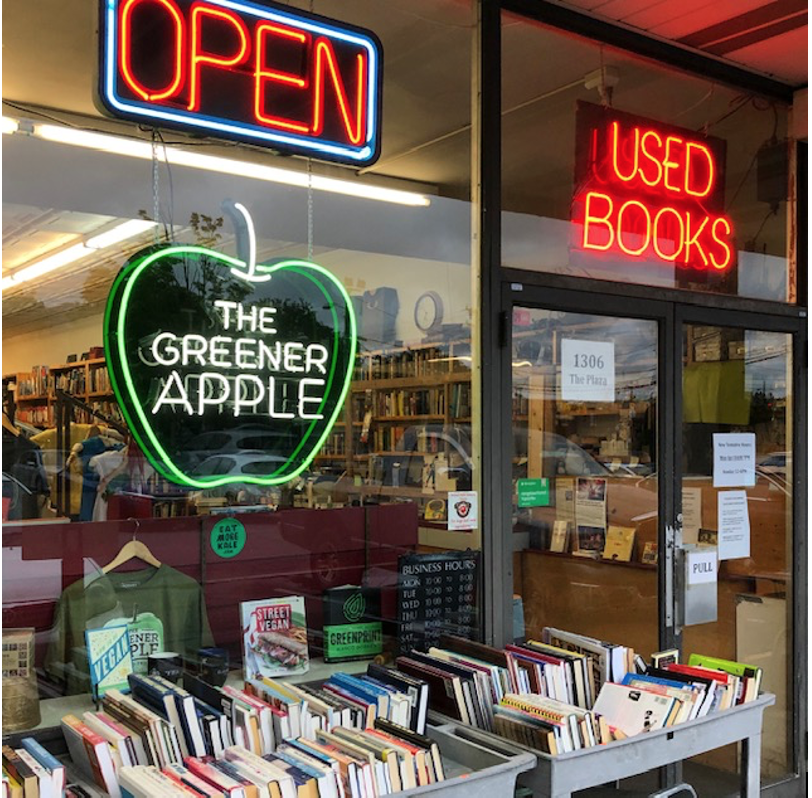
(766, 362)
(767, 355)
(635, 348)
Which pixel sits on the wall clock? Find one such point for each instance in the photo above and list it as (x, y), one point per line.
(428, 311)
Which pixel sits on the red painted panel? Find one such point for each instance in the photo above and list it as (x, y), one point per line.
(299, 552)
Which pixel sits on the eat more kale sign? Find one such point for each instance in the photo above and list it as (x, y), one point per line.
(228, 372)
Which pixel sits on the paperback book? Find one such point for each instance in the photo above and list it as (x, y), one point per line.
(274, 637)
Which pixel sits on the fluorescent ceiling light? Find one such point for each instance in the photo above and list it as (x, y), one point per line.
(135, 148)
(75, 252)
(10, 125)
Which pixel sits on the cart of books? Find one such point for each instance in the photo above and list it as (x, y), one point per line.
(564, 774)
(594, 712)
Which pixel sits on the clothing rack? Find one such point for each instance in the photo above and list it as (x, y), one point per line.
(66, 405)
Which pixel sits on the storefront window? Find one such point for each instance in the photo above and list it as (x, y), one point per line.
(616, 168)
(84, 482)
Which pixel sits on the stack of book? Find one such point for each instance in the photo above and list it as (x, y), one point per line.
(156, 726)
(567, 691)
(342, 763)
(31, 770)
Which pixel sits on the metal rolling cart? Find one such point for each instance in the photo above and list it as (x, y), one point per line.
(560, 776)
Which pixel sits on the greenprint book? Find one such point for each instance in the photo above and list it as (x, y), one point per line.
(274, 637)
(352, 623)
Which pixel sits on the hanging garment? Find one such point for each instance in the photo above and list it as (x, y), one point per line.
(163, 608)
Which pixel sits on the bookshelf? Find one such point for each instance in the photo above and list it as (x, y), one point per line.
(87, 380)
(406, 431)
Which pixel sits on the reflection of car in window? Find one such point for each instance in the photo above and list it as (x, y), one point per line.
(417, 444)
(775, 463)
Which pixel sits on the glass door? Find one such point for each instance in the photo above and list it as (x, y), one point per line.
(586, 506)
(644, 435)
(735, 442)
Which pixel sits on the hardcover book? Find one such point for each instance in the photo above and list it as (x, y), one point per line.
(352, 623)
(274, 637)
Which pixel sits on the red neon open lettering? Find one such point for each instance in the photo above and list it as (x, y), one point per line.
(125, 50)
(325, 55)
(199, 58)
(263, 75)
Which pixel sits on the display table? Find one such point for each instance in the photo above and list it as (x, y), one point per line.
(562, 775)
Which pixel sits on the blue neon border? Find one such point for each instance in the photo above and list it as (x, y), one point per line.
(330, 150)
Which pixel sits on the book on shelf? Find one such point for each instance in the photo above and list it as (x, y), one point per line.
(560, 537)
(54, 769)
(634, 711)
(331, 753)
(750, 675)
(619, 543)
(571, 691)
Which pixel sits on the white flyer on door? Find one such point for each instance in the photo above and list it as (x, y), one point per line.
(734, 459)
(463, 510)
(587, 370)
(733, 525)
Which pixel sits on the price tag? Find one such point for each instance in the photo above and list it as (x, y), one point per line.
(587, 370)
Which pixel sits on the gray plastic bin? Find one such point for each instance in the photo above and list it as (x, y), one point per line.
(475, 766)
(560, 776)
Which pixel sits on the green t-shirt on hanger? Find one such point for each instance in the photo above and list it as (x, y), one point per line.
(164, 609)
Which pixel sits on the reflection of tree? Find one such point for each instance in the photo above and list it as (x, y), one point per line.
(298, 319)
(762, 407)
(191, 284)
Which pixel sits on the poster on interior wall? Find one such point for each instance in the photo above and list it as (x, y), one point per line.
(691, 514)
(590, 516)
(587, 370)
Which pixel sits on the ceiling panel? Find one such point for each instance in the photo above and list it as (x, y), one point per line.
(786, 60)
(672, 20)
(779, 56)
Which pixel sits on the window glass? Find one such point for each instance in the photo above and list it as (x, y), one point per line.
(79, 482)
(691, 189)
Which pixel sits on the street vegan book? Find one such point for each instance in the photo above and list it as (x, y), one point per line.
(274, 637)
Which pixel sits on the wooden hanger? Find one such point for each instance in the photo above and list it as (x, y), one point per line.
(9, 426)
(133, 549)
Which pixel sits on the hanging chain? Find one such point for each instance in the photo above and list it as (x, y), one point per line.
(310, 196)
(309, 209)
(156, 207)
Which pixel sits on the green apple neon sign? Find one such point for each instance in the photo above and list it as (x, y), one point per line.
(228, 371)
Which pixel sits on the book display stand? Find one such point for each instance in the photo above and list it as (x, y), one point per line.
(562, 775)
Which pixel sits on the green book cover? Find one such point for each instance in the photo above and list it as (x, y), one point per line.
(109, 658)
(352, 623)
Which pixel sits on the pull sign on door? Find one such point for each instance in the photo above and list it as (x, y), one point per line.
(262, 74)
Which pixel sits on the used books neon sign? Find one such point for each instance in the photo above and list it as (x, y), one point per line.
(260, 73)
(239, 372)
(650, 192)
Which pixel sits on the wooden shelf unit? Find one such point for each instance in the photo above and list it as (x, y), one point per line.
(85, 379)
(434, 378)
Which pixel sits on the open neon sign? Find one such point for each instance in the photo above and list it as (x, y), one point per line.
(258, 73)
(649, 192)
